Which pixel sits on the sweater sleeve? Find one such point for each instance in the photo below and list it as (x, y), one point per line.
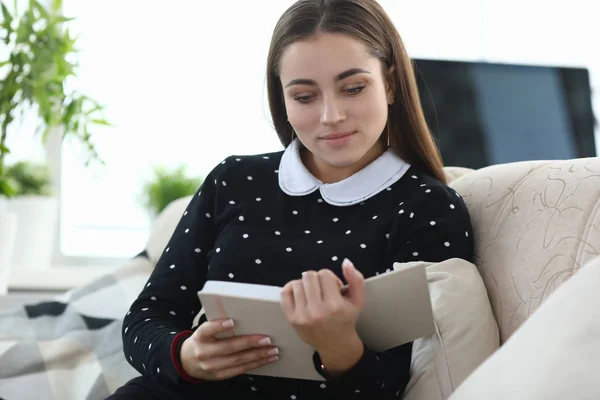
(442, 231)
(168, 302)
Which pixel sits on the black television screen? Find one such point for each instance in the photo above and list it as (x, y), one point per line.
(487, 113)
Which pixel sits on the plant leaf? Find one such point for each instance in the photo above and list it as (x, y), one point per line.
(5, 188)
(28, 178)
(101, 121)
(56, 4)
(167, 185)
(62, 19)
(7, 18)
(41, 9)
(24, 29)
(39, 64)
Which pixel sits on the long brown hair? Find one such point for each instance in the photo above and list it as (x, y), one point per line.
(364, 20)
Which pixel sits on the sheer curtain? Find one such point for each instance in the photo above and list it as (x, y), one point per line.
(184, 82)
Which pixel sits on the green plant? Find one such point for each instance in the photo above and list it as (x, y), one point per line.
(29, 179)
(41, 60)
(167, 185)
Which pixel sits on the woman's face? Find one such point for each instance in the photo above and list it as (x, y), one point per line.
(336, 99)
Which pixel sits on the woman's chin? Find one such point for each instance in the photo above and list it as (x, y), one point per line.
(351, 156)
(343, 159)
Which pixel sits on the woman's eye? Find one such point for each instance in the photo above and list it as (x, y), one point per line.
(355, 90)
(303, 99)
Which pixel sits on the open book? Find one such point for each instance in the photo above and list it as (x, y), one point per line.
(397, 310)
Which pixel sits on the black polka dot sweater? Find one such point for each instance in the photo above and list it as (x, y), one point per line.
(248, 223)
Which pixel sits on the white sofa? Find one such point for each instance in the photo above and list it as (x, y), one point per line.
(536, 224)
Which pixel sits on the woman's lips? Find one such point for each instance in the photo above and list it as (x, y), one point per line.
(338, 138)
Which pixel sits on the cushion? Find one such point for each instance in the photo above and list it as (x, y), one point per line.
(453, 173)
(466, 331)
(553, 355)
(164, 226)
(534, 224)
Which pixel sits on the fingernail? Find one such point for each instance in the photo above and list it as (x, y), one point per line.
(228, 323)
(304, 273)
(273, 352)
(346, 263)
(264, 341)
(273, 359)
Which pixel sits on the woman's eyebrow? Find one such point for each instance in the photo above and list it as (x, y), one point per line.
(339, 77)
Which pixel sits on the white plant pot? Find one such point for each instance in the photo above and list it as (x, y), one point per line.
(36, 230)
(8, 234)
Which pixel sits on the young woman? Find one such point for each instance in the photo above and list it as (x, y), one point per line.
(360, 179)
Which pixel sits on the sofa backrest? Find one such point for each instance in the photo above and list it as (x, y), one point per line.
(535, 224)
(453, 173)
(164, 226)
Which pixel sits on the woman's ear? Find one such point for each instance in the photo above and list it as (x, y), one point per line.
(391, 84)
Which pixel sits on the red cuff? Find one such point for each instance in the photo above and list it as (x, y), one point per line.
(176, 360)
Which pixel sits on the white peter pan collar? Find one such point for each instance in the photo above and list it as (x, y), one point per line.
(296, 180)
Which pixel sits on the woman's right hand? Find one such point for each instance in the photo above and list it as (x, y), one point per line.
(205, 357)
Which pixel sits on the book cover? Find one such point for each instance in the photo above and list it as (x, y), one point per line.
(397, 310)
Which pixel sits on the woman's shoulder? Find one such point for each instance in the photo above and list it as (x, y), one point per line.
(427, 192)
(428, 185)
(249, 167)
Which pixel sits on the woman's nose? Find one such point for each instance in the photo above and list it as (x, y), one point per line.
(332, 112)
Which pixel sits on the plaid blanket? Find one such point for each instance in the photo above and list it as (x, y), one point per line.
(71, 348)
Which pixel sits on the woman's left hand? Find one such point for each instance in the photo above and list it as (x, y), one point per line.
(325, 318)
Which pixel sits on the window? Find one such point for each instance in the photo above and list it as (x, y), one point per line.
(184, 82)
